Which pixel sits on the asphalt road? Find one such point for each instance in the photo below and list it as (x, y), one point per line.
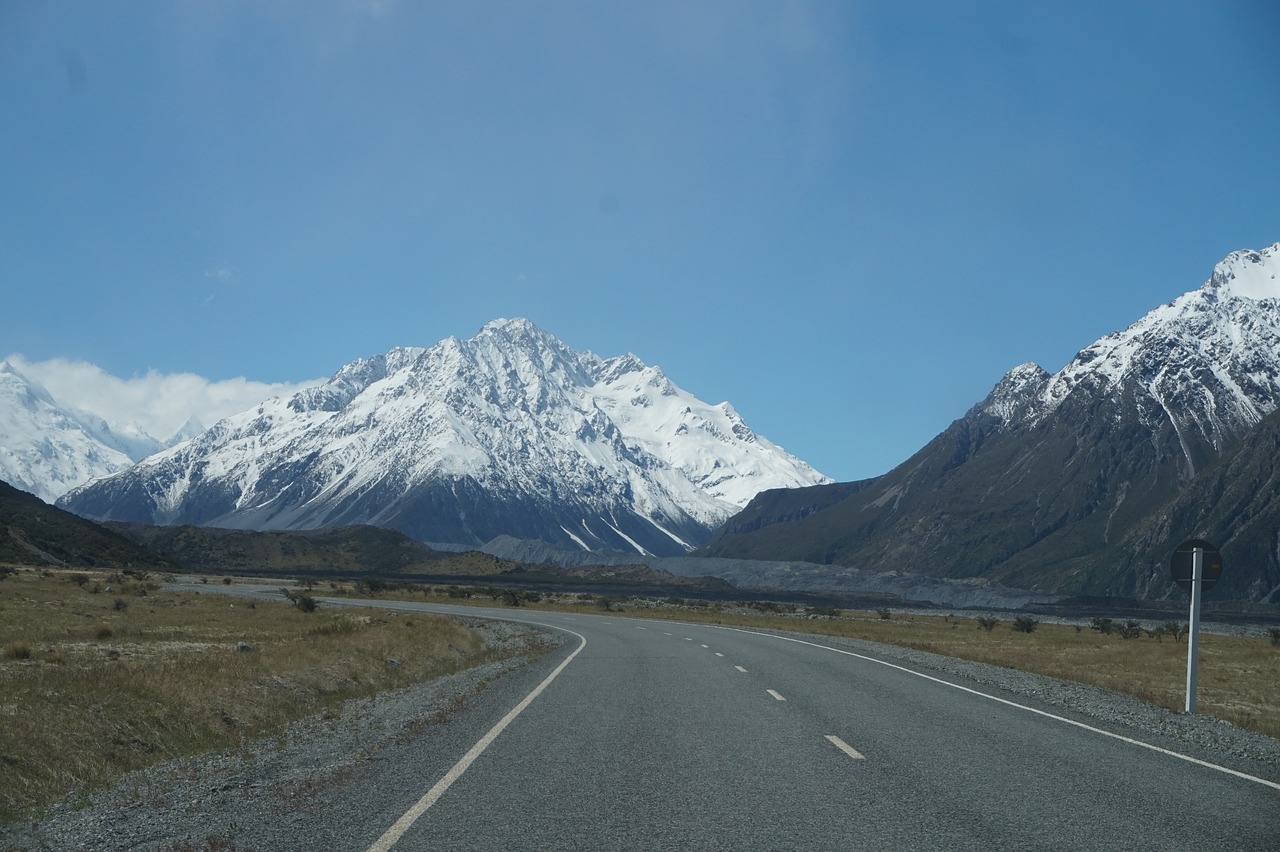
(655, 735)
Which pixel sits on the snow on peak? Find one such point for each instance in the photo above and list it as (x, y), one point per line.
(512, 410)
(1209, 360)
(1248, 274)
(1016, 391)
(47, 448)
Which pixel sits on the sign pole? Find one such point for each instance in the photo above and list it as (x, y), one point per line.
(1193, 628)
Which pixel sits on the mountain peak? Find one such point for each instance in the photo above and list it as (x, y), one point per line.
(510, 432)
(1248, 274)
(1017, 390)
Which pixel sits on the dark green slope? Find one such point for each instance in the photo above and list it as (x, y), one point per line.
(356, 549)
(34, 533)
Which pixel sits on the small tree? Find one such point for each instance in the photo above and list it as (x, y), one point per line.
(1274, 633)
(1025, 624)
(1130, 630)
(1100, 624)
(988, 624)
(884, 612)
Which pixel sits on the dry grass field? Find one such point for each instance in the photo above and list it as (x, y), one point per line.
(101, 674)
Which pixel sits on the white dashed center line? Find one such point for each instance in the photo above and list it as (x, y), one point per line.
(775, 694)
(718, 654)
(741, 669)
(845, 747)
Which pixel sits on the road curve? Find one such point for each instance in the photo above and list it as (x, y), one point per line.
(658, 735)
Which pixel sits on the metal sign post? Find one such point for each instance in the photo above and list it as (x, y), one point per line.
(1193, 629)
(1196, 567)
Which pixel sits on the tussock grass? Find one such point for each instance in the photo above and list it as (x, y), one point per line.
(89, 689)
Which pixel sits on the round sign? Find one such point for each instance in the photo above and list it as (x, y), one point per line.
(1182, 564)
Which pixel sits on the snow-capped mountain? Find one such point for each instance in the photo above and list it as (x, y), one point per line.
(47, 449)
(1045, 483)
(1206, 365)
(510, 432)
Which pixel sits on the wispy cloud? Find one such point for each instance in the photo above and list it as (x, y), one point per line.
(158, 403)
(221, 273)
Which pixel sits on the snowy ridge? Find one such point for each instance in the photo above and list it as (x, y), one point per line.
(1207, 363)
(512, 413)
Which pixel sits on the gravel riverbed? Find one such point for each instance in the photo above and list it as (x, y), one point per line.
(264, 795)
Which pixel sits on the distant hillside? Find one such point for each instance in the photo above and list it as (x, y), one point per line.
(34, 533)
(356, 549)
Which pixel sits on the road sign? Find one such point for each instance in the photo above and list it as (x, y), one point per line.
(1181, 565)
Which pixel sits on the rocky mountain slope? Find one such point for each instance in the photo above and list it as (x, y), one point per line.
(510, 432)
(1059, 482)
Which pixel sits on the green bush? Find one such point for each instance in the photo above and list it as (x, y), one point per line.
(988, 624)
(1025, 624)
(1102, 625)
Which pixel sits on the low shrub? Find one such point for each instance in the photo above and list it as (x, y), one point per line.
(303, 602)
(1025, 624)
(17, 651)
(988, 624)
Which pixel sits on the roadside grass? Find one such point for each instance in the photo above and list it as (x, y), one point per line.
(102, 676)
(1239, 676)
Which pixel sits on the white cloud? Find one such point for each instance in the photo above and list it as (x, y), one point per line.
(159, 403)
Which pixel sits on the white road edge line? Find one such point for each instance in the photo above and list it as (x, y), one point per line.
(845, 747)
(396, 831)
(1005, 701)
(775, 694)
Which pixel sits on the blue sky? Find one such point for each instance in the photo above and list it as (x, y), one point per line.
(847, 218)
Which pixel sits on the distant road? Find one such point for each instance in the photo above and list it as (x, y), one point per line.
(658, 735)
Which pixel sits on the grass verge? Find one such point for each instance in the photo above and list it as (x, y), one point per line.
(102, 674)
